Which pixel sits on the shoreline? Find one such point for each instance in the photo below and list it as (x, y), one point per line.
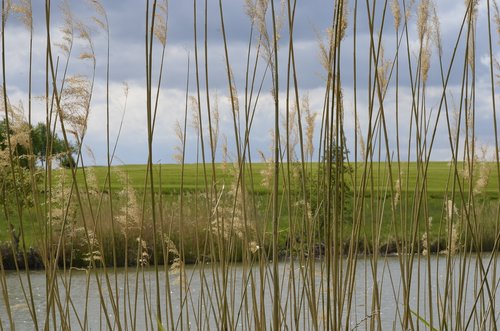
(35, 260)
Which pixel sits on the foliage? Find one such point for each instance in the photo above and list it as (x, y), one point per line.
(338, 184)
(40, 139)
(15, 181)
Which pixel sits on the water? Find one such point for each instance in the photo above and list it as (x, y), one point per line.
(249, 293)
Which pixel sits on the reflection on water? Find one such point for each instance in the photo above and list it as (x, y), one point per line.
(198, 295)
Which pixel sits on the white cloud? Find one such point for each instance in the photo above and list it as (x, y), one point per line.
(127, 64)
(485, 59)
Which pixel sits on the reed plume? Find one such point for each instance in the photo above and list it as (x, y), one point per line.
(160, 27)
(75, 104)
(67, 30)
(179, 148)
(396, 13)
(423, 18)
(310, 118)
(25, 11)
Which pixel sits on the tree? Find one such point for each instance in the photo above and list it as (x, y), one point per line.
(39, 143)
(319, 188)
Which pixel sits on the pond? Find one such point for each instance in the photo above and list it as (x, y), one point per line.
(197, 298)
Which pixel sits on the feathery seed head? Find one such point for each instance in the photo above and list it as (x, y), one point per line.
(267, 172)
(251, 10)
(160, 27)
(143, 258)
(179, 149)
(451, 209)
(253, 247)
(423, 18)
(496, 15)
(344, 19)
(484, 171)
(289, 133)
(99, 8)
(67, 29)
(125, 89)
(409, 9)
(437, 31)
(130, 211)
(309, 119)
(24, 9)
(101, 18)
(87, 56)
(215, 123)
(6, 11)
(471, 49)
(195, 121)
(233, 93)
(75, 103)
(425, 244)
(359, 134)
(326, 45)
(471, 6)
(225, 154)
(85, 35)
(397, 191)
(454, 237)
(396, 13)
(383, 69)
(425, 61)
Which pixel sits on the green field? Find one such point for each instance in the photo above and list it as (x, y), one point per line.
(376, 196)
(169, 175)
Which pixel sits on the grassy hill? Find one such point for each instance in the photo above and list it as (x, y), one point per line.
(437, 181)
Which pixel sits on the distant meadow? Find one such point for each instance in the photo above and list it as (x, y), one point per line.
(250, 165)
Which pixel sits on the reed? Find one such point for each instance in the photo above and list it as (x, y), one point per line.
(346, 222)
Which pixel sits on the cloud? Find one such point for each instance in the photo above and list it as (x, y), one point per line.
(127, 64)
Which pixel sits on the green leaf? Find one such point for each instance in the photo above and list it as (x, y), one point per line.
(421, 319)
(160, 326)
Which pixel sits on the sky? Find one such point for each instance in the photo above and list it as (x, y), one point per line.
(127, 24)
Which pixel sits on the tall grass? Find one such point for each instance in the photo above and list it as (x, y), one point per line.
(300, 240)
